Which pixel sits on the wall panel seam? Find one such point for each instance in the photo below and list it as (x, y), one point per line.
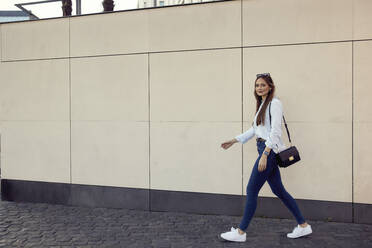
(149, 126)
(352, 114)
(241, 88)
(352, 19)
(305, 43)
(69, 71)
(29, 60)
(187, 50)
(352, 132)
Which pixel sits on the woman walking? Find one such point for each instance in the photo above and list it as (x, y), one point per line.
(267, 127)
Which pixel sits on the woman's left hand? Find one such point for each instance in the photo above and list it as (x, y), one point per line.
(262, 163)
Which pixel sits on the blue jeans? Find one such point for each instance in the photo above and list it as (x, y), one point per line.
(257, 180)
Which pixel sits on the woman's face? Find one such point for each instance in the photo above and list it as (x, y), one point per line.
(262, 88)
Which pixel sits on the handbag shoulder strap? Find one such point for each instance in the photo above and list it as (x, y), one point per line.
(285, 124)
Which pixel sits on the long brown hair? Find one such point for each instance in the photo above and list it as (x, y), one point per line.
(270, 96)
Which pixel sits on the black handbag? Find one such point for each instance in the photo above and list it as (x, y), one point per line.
(290, 155)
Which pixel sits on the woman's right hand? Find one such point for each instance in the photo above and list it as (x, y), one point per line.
(227, 144)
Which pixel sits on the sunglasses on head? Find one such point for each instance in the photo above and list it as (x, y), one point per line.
(263, 75)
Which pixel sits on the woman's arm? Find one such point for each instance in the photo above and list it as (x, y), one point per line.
(276, 125)
(247, 135)
(275, 132)
(242, 138)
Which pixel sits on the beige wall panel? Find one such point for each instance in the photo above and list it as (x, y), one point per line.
(294, 21)
(114, 33)
(212, 25)
(34, 90)
(314, 82)
(110, 88)
(187, 156)
(362, 19)
(196, 86)
(110, 153)
(362, 81)
(36, 151)
(362, 163)
(36, 40)
(363, 122)
(325, 169)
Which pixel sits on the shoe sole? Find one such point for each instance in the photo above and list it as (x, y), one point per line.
(226, 240)
(300, 236)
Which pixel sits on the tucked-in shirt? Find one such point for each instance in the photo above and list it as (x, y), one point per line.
(271, 133)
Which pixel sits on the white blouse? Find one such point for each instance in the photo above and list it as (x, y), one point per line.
(272, 134)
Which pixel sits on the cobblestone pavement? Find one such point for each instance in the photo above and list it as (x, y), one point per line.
(45, 225)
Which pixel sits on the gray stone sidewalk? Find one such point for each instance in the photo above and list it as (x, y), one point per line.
(45, 225)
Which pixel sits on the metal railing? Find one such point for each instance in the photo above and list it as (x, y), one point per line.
(33, 16)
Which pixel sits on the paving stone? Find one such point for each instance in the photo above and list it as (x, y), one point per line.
(46, 225)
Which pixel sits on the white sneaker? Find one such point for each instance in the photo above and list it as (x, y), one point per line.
(234, 235)
(299, 231)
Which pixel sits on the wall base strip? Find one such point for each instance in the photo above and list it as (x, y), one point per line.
(175, 201)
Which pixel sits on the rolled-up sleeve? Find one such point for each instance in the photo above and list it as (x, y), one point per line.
(276, 124)
(247, 135)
